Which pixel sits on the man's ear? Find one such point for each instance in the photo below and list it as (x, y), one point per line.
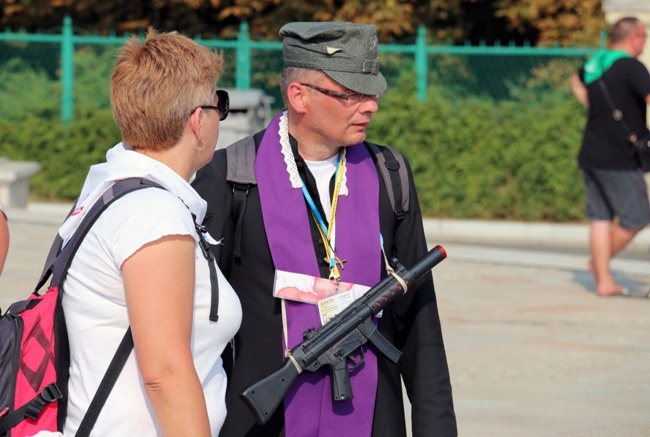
(297, 97)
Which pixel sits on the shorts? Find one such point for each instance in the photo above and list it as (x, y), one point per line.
(617, 193)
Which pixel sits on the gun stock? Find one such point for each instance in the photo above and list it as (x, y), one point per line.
(264, 396)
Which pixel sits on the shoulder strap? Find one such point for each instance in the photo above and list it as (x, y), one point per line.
(214, 278)
(393, 171)
(62, 262)
(59, 269)
(240, 158)
(55, 249)
(126, 345)
(617, 115)
(31, 409)
(241, 162)
(106, 385)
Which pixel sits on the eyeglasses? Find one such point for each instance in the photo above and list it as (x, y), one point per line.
(222, 105)
(353, 97)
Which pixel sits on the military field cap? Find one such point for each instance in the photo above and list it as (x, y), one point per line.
(346, 52)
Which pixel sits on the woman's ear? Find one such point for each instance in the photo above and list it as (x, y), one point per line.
(195, 122)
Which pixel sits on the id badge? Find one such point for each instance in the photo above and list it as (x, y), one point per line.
(331, 306)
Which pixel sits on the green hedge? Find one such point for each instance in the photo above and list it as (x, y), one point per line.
(65, 154)
(482, 159)
(472, 158)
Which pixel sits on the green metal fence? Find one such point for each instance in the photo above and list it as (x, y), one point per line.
(74, 69)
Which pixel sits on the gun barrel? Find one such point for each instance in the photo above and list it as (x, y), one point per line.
(428, 261)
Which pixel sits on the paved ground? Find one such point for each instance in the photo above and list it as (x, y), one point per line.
(532, 350)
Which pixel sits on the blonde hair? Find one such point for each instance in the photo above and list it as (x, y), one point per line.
(157, 84)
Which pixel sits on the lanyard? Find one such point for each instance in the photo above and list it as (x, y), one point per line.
(328, 232)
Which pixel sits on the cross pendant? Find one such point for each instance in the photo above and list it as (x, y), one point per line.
(338, 261)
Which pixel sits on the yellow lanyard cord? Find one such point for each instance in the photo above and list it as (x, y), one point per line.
(329, 239)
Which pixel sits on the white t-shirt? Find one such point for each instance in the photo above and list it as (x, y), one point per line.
(323, 172)
(96, 315)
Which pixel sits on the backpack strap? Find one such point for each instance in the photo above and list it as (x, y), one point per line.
(55, 249)
(240, 157)
(59, 270)
(62, 262)
(392, 168)
(31, 409)
(126, 345)
(106, 385)
(214, 279)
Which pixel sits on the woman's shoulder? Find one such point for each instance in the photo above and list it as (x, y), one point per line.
(150, 200)
(151, 212)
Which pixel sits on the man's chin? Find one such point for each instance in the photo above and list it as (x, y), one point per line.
(356, 139)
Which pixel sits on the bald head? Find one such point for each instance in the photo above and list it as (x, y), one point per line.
(623, 28)
(629, 35)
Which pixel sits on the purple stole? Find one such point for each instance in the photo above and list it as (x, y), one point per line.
(309, 408)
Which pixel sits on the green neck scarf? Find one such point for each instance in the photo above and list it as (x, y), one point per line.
(601, 62)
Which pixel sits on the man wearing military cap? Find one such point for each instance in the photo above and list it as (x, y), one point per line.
(317, 211)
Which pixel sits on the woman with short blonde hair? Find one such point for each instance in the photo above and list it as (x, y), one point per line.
(141, 265)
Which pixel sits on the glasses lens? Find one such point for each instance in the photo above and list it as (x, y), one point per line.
(223, 104)
(356, 97)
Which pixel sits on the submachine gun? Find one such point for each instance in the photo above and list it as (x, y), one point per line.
(334, 342)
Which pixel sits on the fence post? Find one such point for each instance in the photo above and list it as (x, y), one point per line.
(67, 71)
(421, 63)
(243, 69)
(603, 39)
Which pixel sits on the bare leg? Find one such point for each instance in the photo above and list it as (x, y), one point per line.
(620, 237)
(605, 242)
(599, 241)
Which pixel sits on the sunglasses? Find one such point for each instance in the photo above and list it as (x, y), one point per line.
(222, 106)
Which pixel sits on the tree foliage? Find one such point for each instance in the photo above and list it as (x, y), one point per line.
(222, 18)
(562, 22)
(565, 22)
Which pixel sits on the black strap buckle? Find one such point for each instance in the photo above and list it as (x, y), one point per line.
(51, 393)
(241, 188)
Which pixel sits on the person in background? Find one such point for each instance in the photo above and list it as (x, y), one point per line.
(140, 264)
(616, 192)
(4, 237)
(340, 227)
